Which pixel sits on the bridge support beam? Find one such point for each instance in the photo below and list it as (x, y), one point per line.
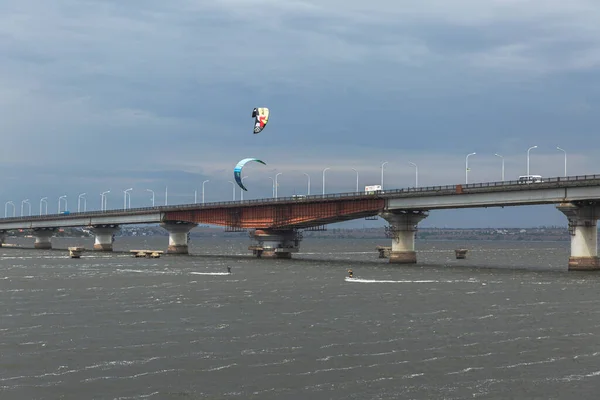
(583, 228)
(274, 243)
(178, 236)
(402, 231)
(43, 238)
(105, 236)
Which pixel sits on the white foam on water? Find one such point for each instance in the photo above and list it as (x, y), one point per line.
(210, 273)
(462, 371)
(357, 280)
(151, 271)
(219, 368)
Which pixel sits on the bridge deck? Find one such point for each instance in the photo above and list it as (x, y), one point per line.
(324, 209)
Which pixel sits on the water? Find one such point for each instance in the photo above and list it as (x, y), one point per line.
(507, 322)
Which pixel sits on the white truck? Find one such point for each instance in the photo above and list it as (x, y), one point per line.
(372, 189)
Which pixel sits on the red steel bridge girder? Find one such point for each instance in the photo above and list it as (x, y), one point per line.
(281, 216)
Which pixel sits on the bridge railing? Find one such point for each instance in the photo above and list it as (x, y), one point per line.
(333, 196)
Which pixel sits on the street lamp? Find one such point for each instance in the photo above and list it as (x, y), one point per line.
(308, 185)
(498, 155)
(271, 178)
(6, 209)
(103, 200)
(43, 200)
(382, 165)
(203, 190)
(242, 190)
(356, 179)
(324, 180)
(563, 150)
(233, 188)
(79, 201)
(467, 167)
(151, 191)
(277, 184)
(23, 202)
(125, 193)
(416, 173)
(528, 150)
(59, 199)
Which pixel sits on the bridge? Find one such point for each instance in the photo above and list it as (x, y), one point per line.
(277, 223)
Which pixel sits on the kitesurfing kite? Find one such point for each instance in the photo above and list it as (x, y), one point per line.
(237, 171)
(261, 118)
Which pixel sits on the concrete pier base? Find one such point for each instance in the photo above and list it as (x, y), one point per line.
(178, 236)
(583, 228)
(402, 231)
(2, 237)
(273, 243)
(104, 236)
(403, 257)
(384, 251)
(43, 238)
(460, 254)
(584, 263)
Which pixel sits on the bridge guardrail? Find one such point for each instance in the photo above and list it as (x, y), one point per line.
(440, 189)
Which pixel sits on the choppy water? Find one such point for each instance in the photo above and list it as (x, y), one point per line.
(508, 322)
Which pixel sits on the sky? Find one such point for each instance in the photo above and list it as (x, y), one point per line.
(99, 95)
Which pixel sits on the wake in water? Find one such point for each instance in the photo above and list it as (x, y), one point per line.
(210, 273)
(357, 280)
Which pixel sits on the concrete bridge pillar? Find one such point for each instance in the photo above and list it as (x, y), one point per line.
(43, 237)
(583, 228)
(104, 236)
(402, 230)
(274, 243)
(178, 236)
(2, 237)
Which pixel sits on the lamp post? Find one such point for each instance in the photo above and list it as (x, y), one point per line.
(23, 202)
(242, 190)
(233, 189)
(125, 193)
(308, 184)
(528, 150)
(103, 200)
(277, 184)
(467, 167)
(203, 190)
(563, 150)
(166, 195)
(324, 180)
(151, 191)
(273, 180)
(382, 165)
(498, 155)
(416, 173)
(356, 179)
(43, 200)
(59, 199)
(6, 209)
(79, 202)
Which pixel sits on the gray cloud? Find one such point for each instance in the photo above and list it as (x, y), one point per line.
(104, 94)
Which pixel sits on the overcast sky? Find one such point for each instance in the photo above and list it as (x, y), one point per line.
(100, 95)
